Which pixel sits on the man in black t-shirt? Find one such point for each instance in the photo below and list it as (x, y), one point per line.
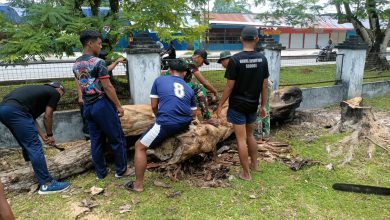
(19, 111)
(247, 74)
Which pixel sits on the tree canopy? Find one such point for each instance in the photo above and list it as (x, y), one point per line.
(376, 12)
(52, 27)
(231, 6)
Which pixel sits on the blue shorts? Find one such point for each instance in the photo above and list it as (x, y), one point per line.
(156, 133)
(239, 118)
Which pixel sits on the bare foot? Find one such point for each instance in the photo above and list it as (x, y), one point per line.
(243, 176)
(253, 167)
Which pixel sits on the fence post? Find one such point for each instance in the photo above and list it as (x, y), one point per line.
(143, 63)
(350, 67)
(272, 51)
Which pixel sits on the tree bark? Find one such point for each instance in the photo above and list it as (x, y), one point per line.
(374, 36)
(73, 160)
(114, 6)
(95, 4)
(77, 6)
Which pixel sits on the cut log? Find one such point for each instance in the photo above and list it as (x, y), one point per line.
(74, 160)
(137, 119)
(284, 102)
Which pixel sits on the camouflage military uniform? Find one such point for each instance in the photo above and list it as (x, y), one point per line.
(263, 126)
(199, 89)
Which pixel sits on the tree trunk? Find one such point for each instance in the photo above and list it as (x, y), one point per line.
(283, 103)
(95, 4)
(376, 56)
(114, 6)
(77, 6)
(76, 158)
(73, 160)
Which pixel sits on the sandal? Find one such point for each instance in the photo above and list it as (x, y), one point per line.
(130, 186)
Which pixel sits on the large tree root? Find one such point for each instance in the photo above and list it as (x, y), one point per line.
(364, 127)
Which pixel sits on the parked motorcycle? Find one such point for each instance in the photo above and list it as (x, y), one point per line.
(326, 54)
(165, 58)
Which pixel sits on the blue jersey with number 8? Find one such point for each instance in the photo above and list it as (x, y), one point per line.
(176, 100)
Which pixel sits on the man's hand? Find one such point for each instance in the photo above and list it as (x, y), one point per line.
(44, 137)
(262, 112)
(218, 112)
(50, 141)
(80, 101)
(120, 59)
(121, 111)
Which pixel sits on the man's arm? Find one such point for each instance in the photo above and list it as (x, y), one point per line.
(154, 104)
(48, 123)
(112, 66)
(111, 94)
(5, 210)
(79, 92)
(40, 132)
(226, 93)
(263, 100)
(206, 83)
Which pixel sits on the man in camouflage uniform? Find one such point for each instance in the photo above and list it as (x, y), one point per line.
(198, 59)
(263, 125)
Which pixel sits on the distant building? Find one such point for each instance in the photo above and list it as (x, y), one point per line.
(225, 31)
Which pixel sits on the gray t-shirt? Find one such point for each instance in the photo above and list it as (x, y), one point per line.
(88, 71)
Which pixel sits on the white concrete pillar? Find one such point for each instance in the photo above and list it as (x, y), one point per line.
(350, 66)
(273, 56)
(144, 67)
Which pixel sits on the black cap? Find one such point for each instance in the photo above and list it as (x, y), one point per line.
(178, 65)
(249, 33)
(56, 84)
(202, 53)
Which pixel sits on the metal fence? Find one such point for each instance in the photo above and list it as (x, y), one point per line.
(14, 76)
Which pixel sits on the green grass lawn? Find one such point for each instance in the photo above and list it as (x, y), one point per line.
(280, 192)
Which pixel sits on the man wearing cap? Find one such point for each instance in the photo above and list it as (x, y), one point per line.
(173, 103)
(247, 75)
(224, 57)
(19, 111)
(102, 108)
(198, 59)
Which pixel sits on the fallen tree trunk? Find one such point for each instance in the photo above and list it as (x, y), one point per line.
(75, 159)
(198, 139)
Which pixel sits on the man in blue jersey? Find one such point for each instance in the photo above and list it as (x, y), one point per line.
(173, 103)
